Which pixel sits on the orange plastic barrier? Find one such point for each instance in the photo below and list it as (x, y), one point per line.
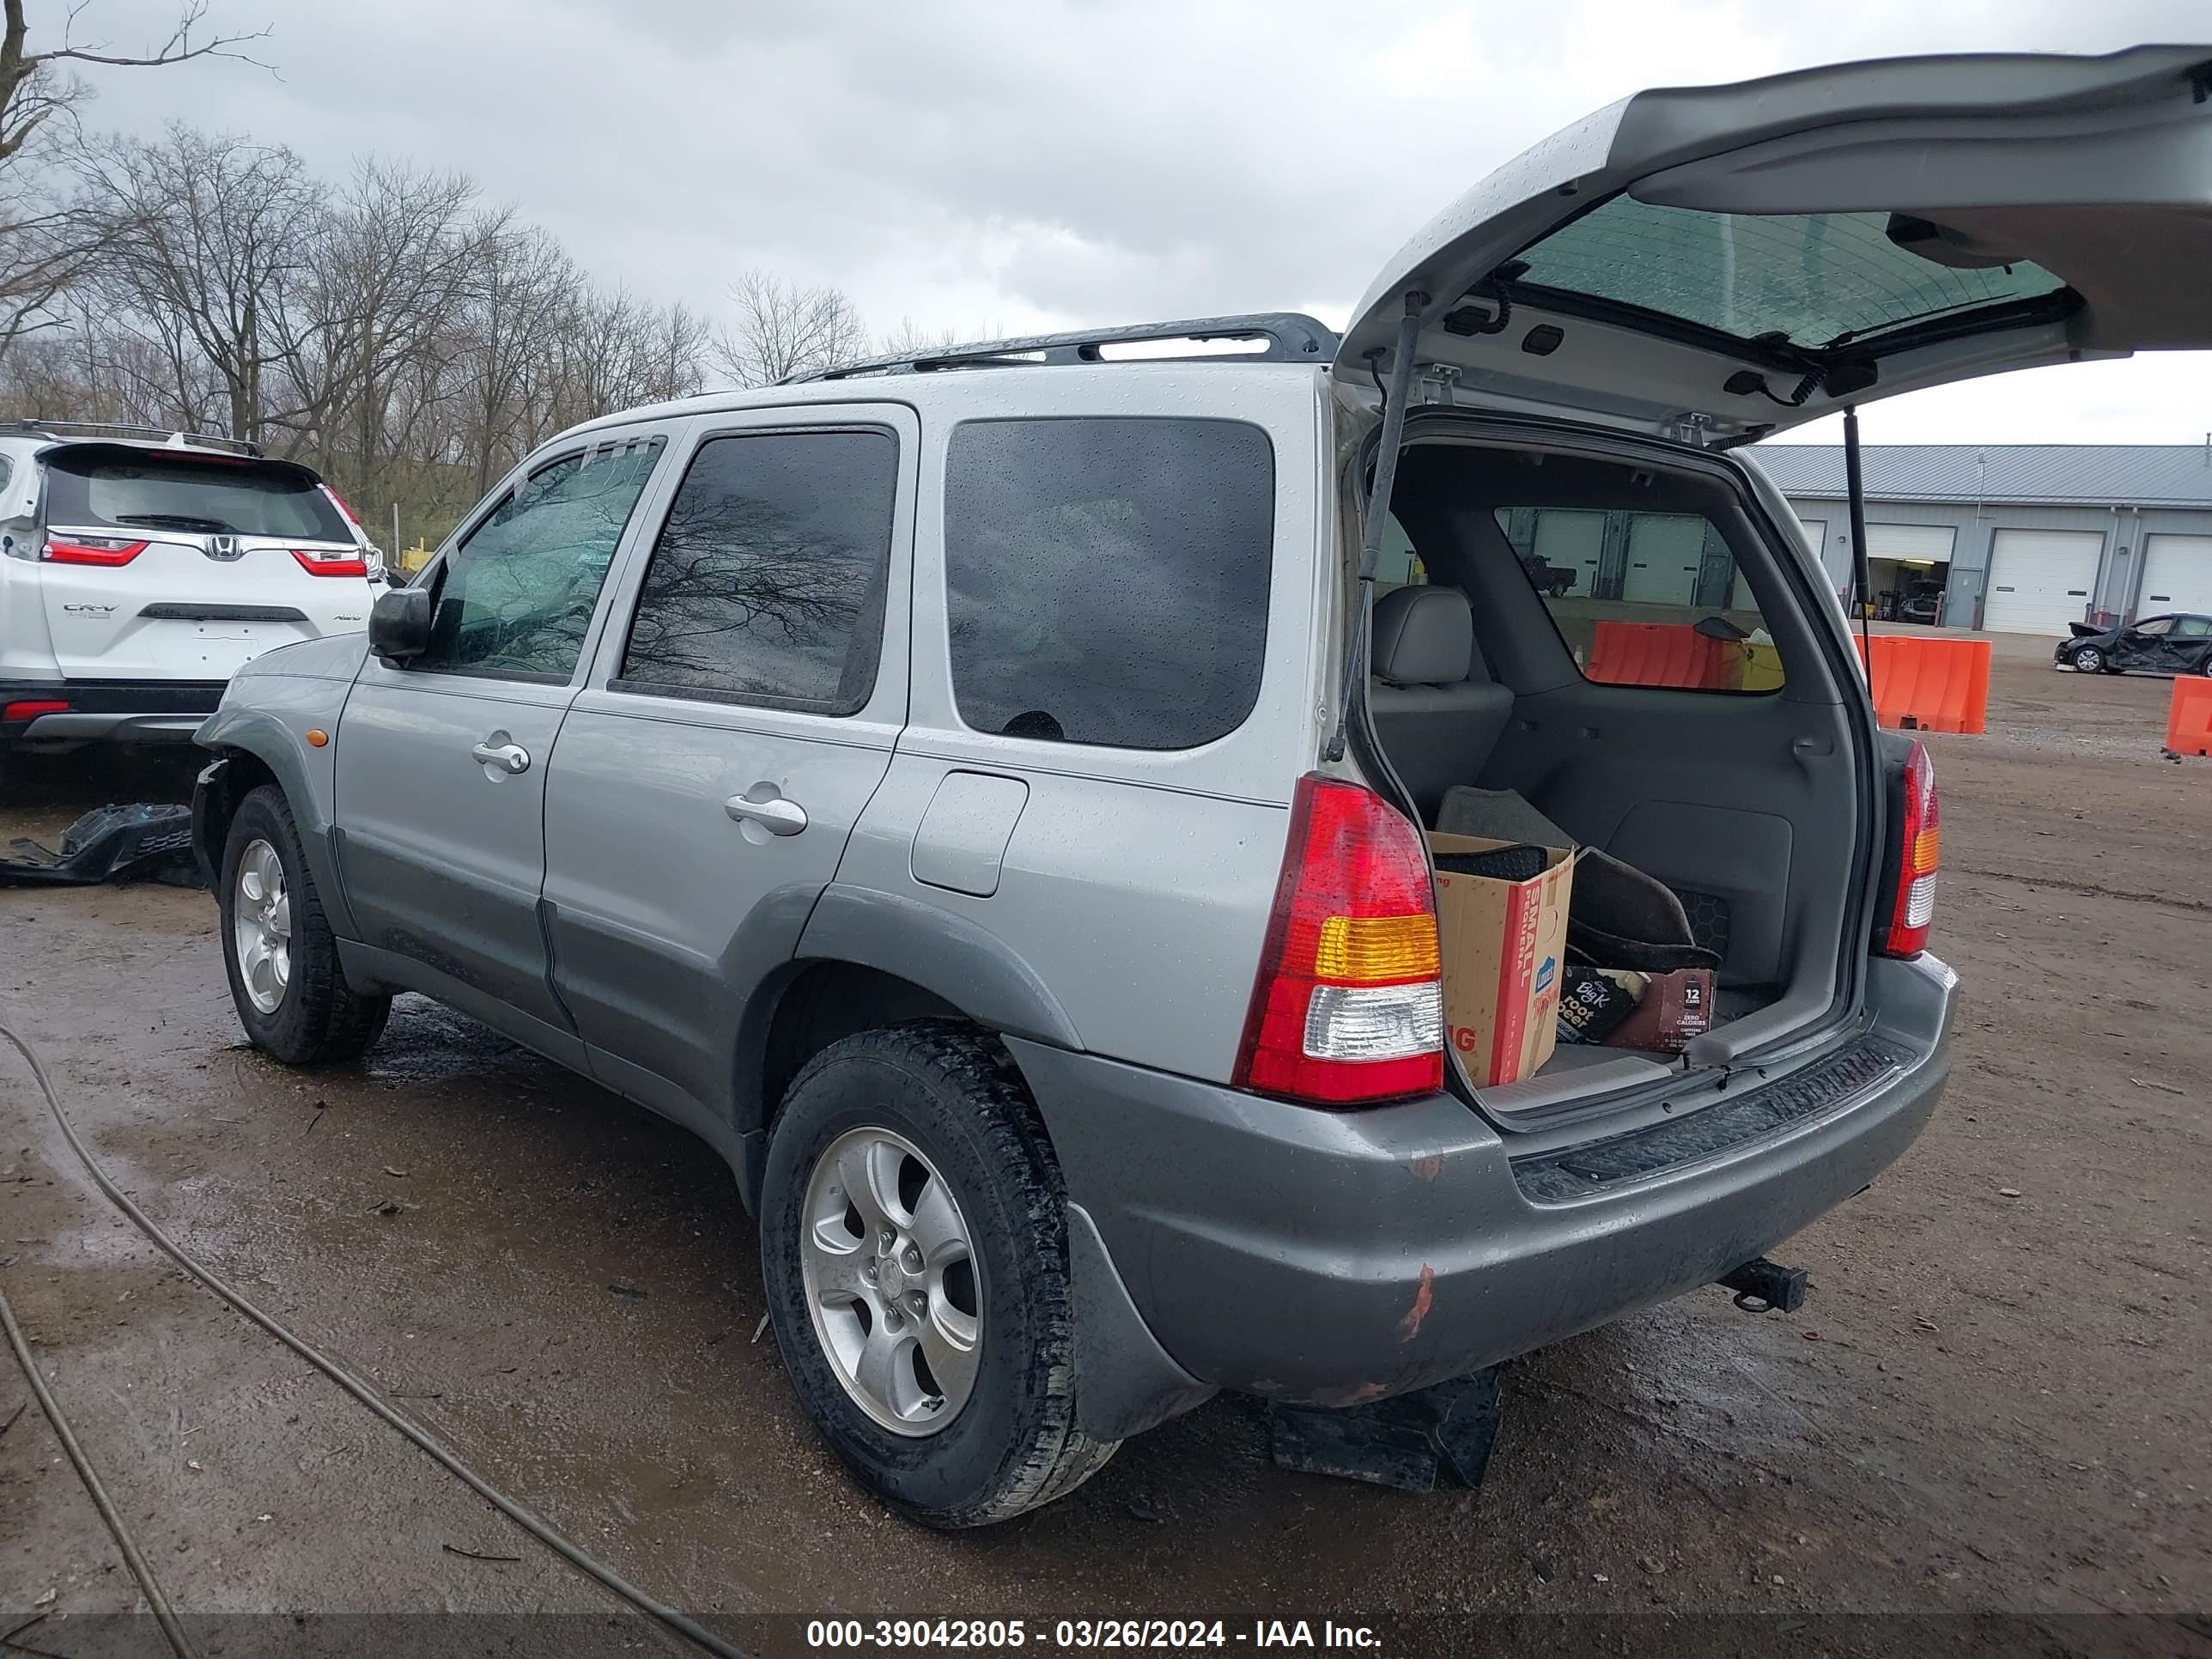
(2189, 717)
(1660, 653)
(1936, 684)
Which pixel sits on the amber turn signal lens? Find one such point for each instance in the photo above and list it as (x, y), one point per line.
(1369, 949)
(316, 737)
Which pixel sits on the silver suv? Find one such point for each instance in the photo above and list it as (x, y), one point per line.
(981, 793)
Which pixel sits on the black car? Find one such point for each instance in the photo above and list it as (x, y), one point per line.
(2179, 644)
(1923, 603)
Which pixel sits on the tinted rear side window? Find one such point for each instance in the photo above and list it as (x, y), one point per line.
(1107, 579)
(238, 498)
(767, 584)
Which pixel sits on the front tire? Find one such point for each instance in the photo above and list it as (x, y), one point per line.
(2088, 660)
(277, 947)
(913, 1211)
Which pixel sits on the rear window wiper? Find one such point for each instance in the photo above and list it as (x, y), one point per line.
(176, 521)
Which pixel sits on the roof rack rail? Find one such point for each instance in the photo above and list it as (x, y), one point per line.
(167, 436)
(1290, 338)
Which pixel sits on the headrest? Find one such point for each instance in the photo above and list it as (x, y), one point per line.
(1424, 636)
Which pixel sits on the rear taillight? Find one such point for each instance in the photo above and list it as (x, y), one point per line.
(327, 564)
(1349, 1004)
(339, 501)
(1918, 849)
(13, 712)
(91, 550)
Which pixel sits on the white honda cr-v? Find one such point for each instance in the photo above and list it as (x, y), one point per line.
(139, 569)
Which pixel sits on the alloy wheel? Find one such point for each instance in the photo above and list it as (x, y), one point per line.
(888, 1268)
(261, 925)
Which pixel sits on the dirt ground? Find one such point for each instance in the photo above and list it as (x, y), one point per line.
(1995, 1402)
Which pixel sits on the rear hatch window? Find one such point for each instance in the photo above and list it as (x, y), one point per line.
(214, 495)
(1814, 281)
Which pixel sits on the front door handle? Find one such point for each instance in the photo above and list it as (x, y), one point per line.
(775, 815)
(501, 750)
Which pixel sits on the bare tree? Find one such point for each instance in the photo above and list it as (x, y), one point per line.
(386, 270)
(909, 339)
(45, 243)
(36, 86)
(676, 364)
(519, 282)
(211, 244)
(44, 246)
(409, 342)
(783, 329)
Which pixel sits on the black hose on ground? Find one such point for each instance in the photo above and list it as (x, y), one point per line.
(164, 1615)
(681, 1623)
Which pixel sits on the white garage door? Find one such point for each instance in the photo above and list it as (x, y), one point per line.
(1816, 538)
(1663, 551)
(2177, 575)
(1910, 541)
(2040, 580)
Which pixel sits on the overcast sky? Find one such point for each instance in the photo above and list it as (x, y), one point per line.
(1003, 167)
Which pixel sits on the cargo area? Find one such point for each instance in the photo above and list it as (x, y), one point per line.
(1605, 651)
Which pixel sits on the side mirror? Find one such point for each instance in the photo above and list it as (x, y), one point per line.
(399, 624)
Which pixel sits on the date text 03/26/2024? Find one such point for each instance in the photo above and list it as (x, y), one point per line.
(1165, 1634)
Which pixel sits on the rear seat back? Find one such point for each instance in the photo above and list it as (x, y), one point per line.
(1434, 705)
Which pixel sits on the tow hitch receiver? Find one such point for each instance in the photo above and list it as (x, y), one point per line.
(1764, 1287)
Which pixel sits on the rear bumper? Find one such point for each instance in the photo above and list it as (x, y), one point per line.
(109, 711)
(1329, 1258)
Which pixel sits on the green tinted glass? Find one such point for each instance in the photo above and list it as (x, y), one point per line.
(1817, 277)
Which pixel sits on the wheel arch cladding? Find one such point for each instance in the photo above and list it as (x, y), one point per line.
(252, 738)
(820, 1001)
(233, 775)
(895, 959)
(803, 1007)
(945, 953)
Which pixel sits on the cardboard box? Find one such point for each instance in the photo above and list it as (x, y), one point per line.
(1504, 945)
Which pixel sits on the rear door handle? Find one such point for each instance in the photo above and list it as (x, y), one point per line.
(775, 814)
(503, 752)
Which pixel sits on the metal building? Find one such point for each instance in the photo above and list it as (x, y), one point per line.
(2015, 537)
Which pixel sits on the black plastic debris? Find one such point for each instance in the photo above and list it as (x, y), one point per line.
(140, 842)
(1410, 1442)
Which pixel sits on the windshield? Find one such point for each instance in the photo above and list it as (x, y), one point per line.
(1814, 279)
(196, 497)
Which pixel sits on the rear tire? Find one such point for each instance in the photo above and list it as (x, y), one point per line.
(302, 1010)
(950, 1095)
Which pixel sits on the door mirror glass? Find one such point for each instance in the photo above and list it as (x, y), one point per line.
(399, 624)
